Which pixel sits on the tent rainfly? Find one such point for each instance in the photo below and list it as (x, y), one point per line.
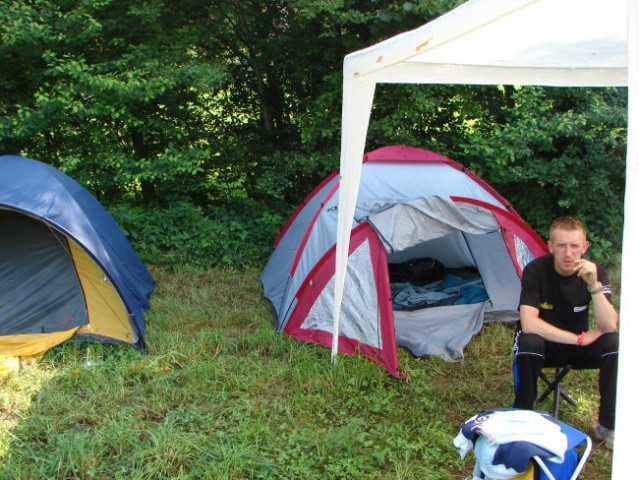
(565, 43)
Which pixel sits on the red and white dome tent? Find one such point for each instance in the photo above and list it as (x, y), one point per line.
(412, 204)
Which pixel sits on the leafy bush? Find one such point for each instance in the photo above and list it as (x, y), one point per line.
(183, 235)
(176, 106)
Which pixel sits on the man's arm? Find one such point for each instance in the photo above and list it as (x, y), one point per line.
(606, 315)
(531, 323)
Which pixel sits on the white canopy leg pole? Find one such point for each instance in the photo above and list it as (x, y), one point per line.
(356, 109)
(627, 392)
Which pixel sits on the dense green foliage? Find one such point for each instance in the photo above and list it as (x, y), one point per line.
(202, 124)
(221, 395)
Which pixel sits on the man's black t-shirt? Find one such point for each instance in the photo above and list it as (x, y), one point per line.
(562, 301)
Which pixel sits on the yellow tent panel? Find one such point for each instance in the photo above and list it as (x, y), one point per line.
(28, 346)
(107, 314)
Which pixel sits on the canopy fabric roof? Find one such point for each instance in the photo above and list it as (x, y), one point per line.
(567, 43)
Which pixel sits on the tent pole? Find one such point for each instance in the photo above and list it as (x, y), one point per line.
(356, 106)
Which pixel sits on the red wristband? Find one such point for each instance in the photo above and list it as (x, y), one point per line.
(580, 338)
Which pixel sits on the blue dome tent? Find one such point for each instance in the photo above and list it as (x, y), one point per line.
(66, 268)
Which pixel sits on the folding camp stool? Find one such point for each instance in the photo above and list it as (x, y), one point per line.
(573, 463)
(507, 428)
(553, 385)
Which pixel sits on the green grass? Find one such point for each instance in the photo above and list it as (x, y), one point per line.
(221, 395)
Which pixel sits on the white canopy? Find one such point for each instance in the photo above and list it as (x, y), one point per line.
(567, 43)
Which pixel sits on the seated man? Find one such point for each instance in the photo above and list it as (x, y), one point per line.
(556, 294)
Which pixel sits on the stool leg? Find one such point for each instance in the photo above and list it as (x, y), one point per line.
(554, 387)
(556, 396)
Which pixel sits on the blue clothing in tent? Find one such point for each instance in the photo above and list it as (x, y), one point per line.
(452, 290)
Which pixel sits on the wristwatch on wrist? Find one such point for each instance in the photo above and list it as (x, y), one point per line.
(598, 288)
